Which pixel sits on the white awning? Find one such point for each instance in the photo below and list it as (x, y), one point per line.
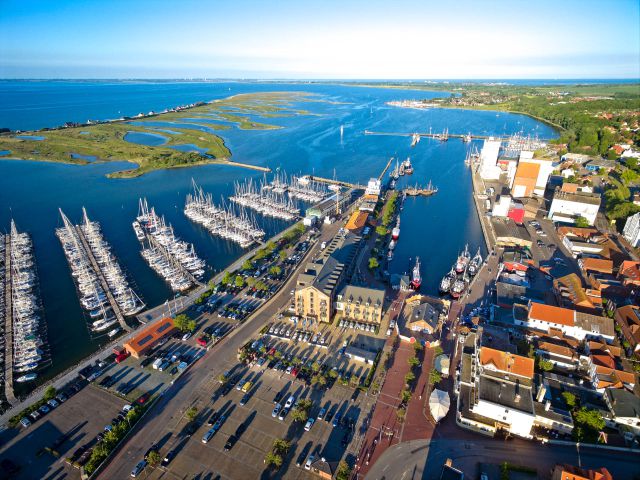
(439, 403)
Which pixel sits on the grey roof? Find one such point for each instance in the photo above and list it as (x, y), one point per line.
(578, 197)
(352, 293)
(428, 313)
(595, 324)
(602, 162)
(507, 228)
(510, 394)
(554, 414)
(325, 273)
(623, 403)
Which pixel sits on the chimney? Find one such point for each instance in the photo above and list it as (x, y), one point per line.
(542, 391)
(517, 398)
(547, 406)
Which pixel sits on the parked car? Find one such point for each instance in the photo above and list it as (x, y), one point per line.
(168, 457)
(309, 424)
(307, 465)
(25, 422)
(137, 470)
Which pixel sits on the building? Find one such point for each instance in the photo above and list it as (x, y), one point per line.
(625, 409)
(631, 230)
(576, 158)
(571, 294)
(574, 324)
(629, 273)
(317, 286)
(606, 377)
(597, 265)
(360, 304)
(495, 391)
(531, 176)
(150, 336)
(368, 203)
(561, 356)
(569, 472)
(501, 206)
(567, 207)
(449, 472)
(508, 234)
(425, 318)
(374, 187)
(628, 319)
(357, 221)
(324, 469)
(360, 354)
(597, 163)
(489, 168)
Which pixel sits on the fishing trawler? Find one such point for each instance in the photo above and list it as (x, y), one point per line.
(475, 263)
(416, 278)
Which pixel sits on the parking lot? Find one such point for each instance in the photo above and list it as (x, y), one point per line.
(256, 427)
(67, 429)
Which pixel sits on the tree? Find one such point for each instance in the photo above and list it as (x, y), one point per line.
(413, 362)
(590, 418)
(401, 414)
(261, 285)
(273, 460)
(409, 377)
(319, 379)
(344, 471)
(282, 254)
(434, 376)
(191, 413)
(333, 374)
(380, 230)
(275, 270)
(301, 411)
(582, 222)
(222, 378)
(373, 263)
(569, 399)
(227, 278)
(418, 347)
(238, 281)
(49, 393)
(315, 367)
(183, 323)
(405, 396)
(544, 365)
(154, 458)
(281, 446)
(247, 265)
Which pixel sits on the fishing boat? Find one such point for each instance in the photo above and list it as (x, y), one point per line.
(416, 278)
(475, 263)
(395, 233)
(463, 260)
(447, 281)
(458, 287)
(408, 168)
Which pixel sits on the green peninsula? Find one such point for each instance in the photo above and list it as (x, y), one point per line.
(105, 141)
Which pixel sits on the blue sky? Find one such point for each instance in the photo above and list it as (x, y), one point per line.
(319, 39)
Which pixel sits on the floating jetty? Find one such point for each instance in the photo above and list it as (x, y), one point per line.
(25, 332)
(222, 221)
(102, 287)
(307, 189)
(264, 201)
(173, 259)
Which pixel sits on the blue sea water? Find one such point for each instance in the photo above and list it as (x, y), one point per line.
(435, 228)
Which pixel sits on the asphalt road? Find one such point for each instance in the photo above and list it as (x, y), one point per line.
(423, 459)
(195, 383)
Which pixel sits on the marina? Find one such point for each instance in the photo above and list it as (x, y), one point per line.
(25, 331)
(264, 201)
(103, 289)
(173, 259)
(457, 280)
(222, 221)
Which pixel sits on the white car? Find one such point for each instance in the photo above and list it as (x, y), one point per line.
(290, 401)
(307, 465)
(186, 336)
(309, 424)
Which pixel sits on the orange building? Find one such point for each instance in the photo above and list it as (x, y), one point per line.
(149, 337)
(357, 221)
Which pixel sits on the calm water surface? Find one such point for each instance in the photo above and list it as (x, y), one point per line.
(434, 228)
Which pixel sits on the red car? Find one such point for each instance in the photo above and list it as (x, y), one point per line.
(202, 341)
(294, 372)
(122, 357)
(143, 398)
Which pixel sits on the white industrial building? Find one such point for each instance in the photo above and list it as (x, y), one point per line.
(631, 230)
(567, 207)
(501, 206)
(373, 187)
(489, 168)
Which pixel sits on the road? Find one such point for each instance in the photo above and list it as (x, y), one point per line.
(423, 459)
(196, 383)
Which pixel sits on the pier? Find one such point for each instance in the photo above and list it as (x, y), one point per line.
(340, 183)
(8, 325)
(384, 170)
(438, 136)
(103, 281)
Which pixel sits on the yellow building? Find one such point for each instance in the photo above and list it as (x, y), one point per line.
(316, 288)
(360, 304)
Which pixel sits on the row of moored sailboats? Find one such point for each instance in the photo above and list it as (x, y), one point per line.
(267, 201)
(20, 282)
(89, 277)
(173, 259)
(222, 221)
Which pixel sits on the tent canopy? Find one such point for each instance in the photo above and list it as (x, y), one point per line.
(439, 403)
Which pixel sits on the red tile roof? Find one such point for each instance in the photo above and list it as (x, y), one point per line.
(551, 314)
(506, 362)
